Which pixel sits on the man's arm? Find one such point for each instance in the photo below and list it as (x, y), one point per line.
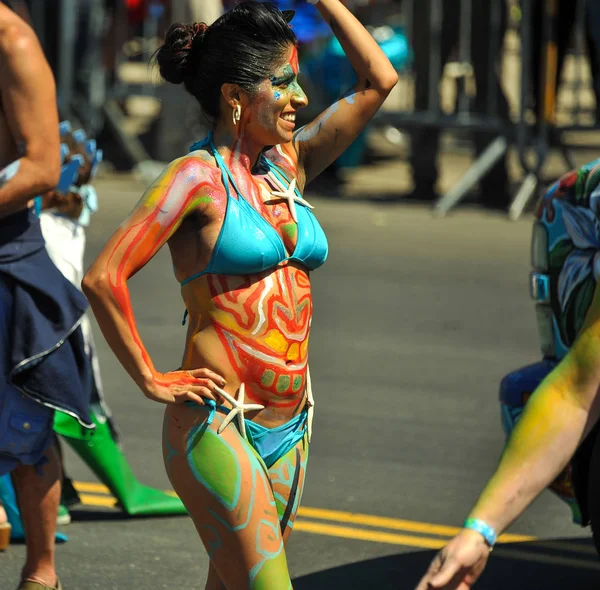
(28, 97)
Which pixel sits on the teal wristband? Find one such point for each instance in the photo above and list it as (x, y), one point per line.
(483, 528)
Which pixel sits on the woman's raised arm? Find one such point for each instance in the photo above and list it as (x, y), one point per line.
(321, 142)
(153, 221)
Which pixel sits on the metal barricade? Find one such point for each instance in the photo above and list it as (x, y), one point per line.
(532, 132)
(548, 124)
(86, 44)
(451, 28)
(460, 39)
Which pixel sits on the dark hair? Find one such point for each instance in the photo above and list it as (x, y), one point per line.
(241, 47)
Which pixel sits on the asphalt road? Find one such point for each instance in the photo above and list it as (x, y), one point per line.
(416, 321)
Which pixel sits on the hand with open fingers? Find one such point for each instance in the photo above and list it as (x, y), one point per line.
(177, 387)
(458, 565)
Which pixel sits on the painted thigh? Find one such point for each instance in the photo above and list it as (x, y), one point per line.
(287, 481)
(225, 487)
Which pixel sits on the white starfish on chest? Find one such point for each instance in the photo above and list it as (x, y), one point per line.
(288, 194)
(238, 409)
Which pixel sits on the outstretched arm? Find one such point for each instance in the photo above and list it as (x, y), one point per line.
(179, 190)
(556, 419)
(28, 100)
(321, 142)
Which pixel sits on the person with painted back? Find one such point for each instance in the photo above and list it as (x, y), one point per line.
(243, 242)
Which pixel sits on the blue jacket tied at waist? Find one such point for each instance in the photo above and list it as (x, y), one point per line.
(47, 361)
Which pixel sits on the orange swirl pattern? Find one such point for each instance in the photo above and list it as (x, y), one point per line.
(264, 325)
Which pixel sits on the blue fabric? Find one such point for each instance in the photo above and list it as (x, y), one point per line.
(8, 499)
(248, 243)
(270, 443)
(274, 443)
(44, 351)
(26, 430)
(25, 426)
(524, 380)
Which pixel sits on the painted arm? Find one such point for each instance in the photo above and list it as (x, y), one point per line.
(28, 96)
(178, 191)
(321, 142)
(556, 419)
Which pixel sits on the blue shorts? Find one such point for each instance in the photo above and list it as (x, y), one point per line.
(26, 427)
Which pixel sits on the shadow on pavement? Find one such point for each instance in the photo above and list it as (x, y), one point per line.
(96, 515)
(560, 564)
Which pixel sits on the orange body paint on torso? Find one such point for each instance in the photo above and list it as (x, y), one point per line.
(251, 328)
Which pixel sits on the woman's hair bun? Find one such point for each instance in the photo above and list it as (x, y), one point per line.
(174, 55)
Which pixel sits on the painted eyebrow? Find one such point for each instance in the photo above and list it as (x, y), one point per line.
(275, 80)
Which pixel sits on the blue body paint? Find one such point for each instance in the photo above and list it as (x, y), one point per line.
(7, 173)
(311, 130)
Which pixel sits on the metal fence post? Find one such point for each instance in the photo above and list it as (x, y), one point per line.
(66, 55)
(497, 148)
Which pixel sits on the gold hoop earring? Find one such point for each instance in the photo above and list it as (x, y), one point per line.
(237, 114)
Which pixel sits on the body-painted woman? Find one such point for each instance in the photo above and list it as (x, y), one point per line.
(243, 242)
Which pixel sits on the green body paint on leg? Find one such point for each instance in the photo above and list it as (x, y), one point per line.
(215, 464)
(273, 575)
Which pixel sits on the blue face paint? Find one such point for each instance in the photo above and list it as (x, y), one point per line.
(277, 95)
(286, 77)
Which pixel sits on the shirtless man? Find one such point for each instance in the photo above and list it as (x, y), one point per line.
(29, 166)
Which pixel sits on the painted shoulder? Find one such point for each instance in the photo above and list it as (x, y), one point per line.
(284, 156)
(197, 167)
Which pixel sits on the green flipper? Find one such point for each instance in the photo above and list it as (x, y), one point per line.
(101, 453)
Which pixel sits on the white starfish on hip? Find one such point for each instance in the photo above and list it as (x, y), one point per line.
(289, 195)
(237, 410)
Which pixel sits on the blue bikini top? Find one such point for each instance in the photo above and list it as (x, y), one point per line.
(248, 243)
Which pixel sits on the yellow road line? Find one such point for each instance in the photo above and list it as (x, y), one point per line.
(502, 551)
(340, 516)
(88, 486)
(105, 499)
(396, 523)
(92, 500)
(332, 530)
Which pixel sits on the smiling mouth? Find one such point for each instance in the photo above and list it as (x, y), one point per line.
(288, 117)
